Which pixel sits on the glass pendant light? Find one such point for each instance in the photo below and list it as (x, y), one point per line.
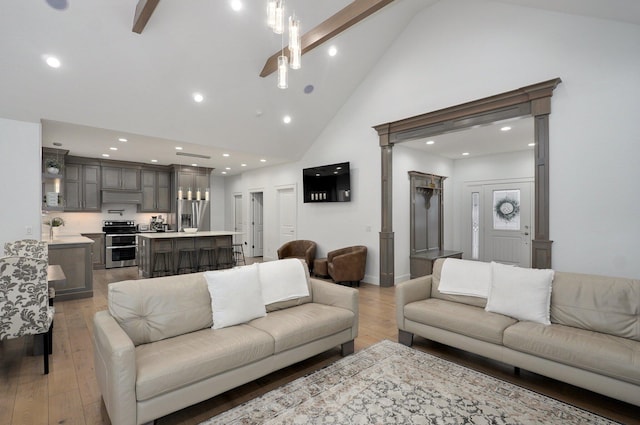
(283, 64)
(271, 14)
(278, 27)
(295, 45)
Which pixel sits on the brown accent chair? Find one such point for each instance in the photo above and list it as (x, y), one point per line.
(302, 249)
(347, 264)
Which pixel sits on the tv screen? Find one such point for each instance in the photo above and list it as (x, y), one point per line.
(328, 183)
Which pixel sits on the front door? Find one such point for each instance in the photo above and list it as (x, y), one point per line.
(498, 222)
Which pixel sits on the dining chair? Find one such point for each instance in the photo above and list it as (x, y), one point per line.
(24, 301)
(30, 248)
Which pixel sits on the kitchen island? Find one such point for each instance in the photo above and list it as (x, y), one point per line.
(149, 244)
(73, 254)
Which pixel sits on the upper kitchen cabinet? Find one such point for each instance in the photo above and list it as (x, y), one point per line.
(193, 178)
(52, 179)
(156, 190)
(120, 177)
(82, 184)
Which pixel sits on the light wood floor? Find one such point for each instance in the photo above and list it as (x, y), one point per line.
(69, 394)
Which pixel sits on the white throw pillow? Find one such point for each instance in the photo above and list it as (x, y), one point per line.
(465, 277)
(283, 280)
(236, 296)
(524, 294)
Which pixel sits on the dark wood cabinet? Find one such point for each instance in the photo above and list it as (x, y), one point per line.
(120, 178)
(156, 191)
(97, 249)
(82, 185)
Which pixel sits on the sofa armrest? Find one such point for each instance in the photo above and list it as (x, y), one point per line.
(337, 296)
(411, 291)
(115, 365)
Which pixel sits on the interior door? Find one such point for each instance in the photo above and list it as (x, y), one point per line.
(497, 222)
(286, 215)
(238, 225)
(257, 224)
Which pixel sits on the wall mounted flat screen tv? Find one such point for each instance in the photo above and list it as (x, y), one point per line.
(328, 183)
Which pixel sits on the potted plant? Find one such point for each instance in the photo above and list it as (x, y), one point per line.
(52, 223)
(53, 165)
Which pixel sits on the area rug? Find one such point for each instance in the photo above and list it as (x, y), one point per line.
(389, 383)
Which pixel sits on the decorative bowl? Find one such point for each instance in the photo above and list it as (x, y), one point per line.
(190, 229)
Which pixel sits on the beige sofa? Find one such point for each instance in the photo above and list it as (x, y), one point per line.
(156, 352)
(593, 340)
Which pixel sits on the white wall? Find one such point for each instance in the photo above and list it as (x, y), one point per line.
(461, 50)
(21, 177)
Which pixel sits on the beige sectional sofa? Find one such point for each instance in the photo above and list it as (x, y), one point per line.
(156, 351)
(593, 340)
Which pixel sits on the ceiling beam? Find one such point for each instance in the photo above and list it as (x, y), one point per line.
(341, 21)
(144, 10)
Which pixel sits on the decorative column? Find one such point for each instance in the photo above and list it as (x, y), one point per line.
(386, 233)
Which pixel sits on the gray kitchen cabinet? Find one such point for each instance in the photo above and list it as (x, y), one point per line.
(97, 249)
(156, 191)
(82, 186)
(194, 178)
(120, 178)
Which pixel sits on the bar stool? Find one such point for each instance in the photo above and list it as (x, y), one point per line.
(225, 257)
(238, 254)
(186, 256)
(167, 263)
(207, 259)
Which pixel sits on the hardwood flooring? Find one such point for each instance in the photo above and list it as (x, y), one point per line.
(69, 394)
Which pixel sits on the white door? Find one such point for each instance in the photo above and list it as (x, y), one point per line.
(238, 225)
(257, 224)
(497, 223)
(286, 215)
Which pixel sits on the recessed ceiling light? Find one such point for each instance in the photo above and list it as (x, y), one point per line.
(531, 144)
(225, 155)
(465, 153)
(123, 140)
(333, 50)
(53, 61)
(106, 155)
(263, 160)
(505, 128)
(243, 165)
(154, 160)
(198, 97)
(194, 165)
(236, 5)
(227, 168)
(286, 119)
(430, 142)
(178, 148)
(113, 148)
(224, 172)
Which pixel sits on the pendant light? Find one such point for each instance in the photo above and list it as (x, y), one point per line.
(283, 64)
(278, 26)
(275, 21)
(295, 45)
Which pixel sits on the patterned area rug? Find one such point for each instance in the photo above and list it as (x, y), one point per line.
(389, 383)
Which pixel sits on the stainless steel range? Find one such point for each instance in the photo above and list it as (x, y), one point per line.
(120, 243)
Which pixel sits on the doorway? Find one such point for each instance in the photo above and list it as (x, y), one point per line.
(497, 222)
(287, 214)
(257, 224)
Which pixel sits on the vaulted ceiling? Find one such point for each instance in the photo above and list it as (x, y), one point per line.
(115, 83)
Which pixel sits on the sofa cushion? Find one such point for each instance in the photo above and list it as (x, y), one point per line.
(173, 363)
(272, 271)
(149, 310)
(600, 353)
(604, 304)
(524, 294)
(464, 319)
(435, 289)
(236, 295)
(299, 325)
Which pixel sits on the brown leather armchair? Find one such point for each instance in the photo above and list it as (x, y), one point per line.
(303, 249)
(347, 264)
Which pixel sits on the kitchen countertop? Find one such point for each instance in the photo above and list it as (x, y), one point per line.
(172, 235)
(68, 240)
